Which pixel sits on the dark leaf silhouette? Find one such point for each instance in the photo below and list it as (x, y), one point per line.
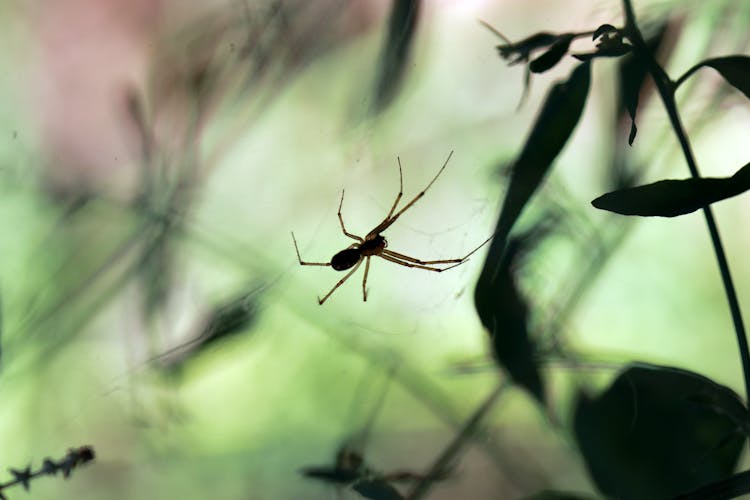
(734, 69)
(659, 431)
(552, 56)
(670, 198)
(22, 477)
(348, 468)
(393, 62)
(501, 308)
(732, 487)
(520, 51)
(631, 92)
(376, 489)
(554, 125)
(632, 75)
(610, 44)
(603, 30)
(609, 51)
(504, 313)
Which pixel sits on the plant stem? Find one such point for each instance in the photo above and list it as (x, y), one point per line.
(448, 456)
(666, 88)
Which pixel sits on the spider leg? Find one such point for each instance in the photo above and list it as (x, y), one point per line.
(364, 280)
(341, 220)
(400, 190)
(384, 223)
(417, 266)
(341, 282)
(303, 263)
(401, 256)
(441, 261)
(391, 219)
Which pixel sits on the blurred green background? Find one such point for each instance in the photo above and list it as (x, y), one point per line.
(156, 155)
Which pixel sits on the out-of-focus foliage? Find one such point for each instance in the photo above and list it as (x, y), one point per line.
(155, 156)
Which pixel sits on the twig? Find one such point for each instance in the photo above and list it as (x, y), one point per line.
(666, 88)
(439, 467)
(74, 459)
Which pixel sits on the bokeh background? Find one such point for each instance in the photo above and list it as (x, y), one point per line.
(155, 156)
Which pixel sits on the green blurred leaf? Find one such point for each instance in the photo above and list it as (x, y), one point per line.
(734, 69)
(394, 58)
(670, 198)
(225, 321)
(552, 56)
(651, 435)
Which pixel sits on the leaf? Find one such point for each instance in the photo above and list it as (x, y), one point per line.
(500, 307)
(552, 56)
(734, 69)
(395, 55)
(227, 320)
(48, 467)
(522, 49)
(348, 468)
(552, 129)
(376, 489)
(603, 30)
(231, 318)
(651, 435)
(333, 475)
(611, 44)
(631, 89)
(609, 51)
(504, 312)
(22, 477)
(632, 74)
(732, 487)
(670, 198)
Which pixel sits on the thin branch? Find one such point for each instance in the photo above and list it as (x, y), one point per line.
(666, 88)
(444, 461)
(74, 459)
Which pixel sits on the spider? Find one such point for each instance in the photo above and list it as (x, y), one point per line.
(374, 244)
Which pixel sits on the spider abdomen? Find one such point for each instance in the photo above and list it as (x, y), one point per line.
(345, 259)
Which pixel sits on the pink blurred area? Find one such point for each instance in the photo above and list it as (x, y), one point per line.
(94, 54)
(90, 52)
